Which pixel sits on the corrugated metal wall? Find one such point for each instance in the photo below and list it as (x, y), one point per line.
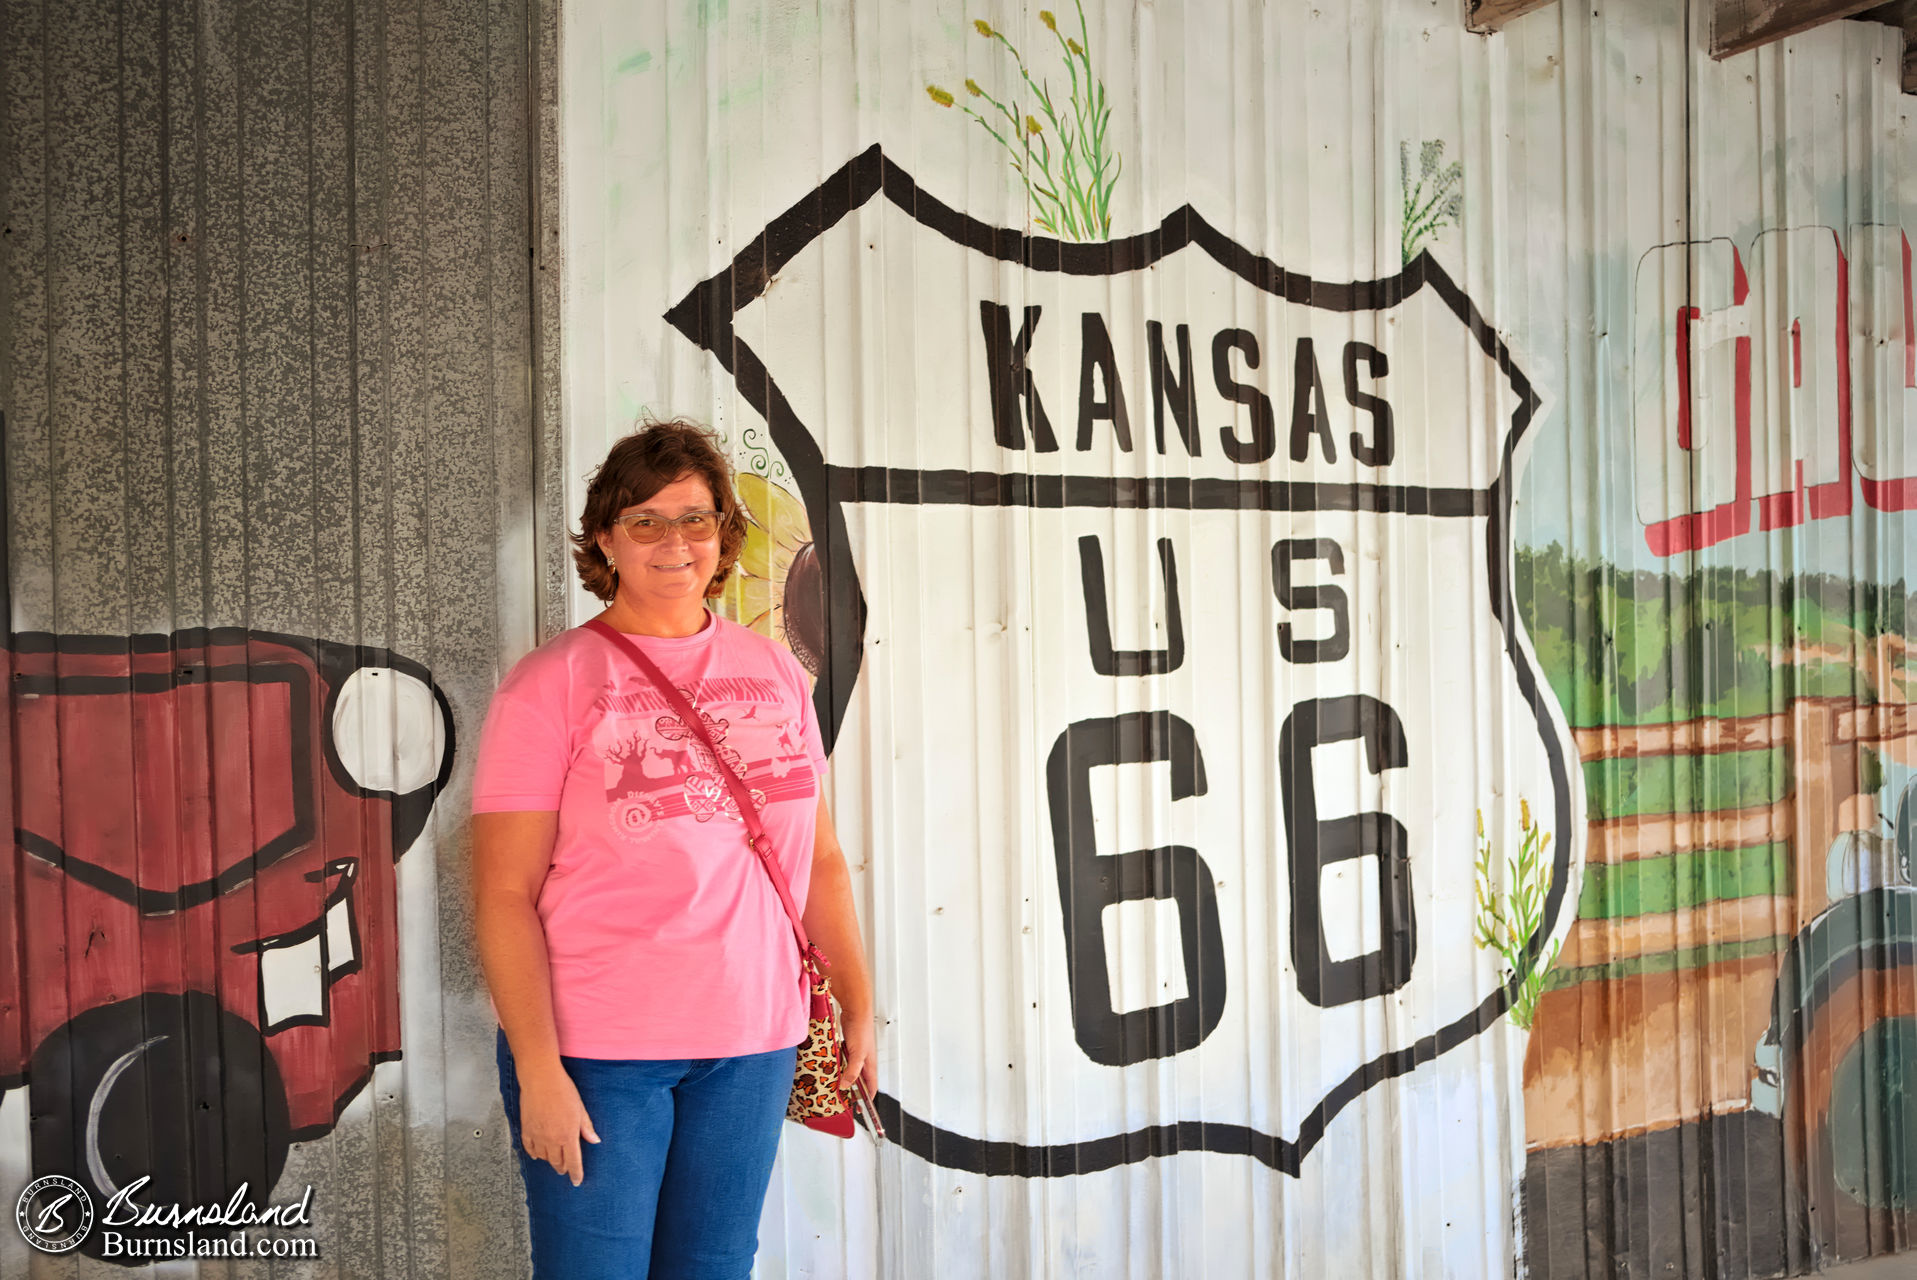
(1673, 289)
(268, 361)
(284, 480)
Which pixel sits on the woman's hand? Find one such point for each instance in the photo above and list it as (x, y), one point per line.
(860, 1061)
(831, 922)
(552, 1120)
(511, 854)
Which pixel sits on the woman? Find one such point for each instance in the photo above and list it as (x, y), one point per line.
(641, 965)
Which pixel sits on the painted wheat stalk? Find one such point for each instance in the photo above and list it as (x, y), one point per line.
(1061, 149)
(1508, 917)
(1427, 211)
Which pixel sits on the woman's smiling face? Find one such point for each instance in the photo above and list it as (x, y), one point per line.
(675, 568)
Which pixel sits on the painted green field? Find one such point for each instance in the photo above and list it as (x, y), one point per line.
(1623, 646)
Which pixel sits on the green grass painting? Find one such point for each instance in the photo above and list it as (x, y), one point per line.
(1659, 886)
(1059, 144)
(1686, 783)
(1625, 647)
(1433, 200)
(1510, 910)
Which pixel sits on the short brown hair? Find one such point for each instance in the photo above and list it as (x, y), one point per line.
(654, 456)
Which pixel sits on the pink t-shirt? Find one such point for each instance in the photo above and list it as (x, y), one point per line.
(665, 935)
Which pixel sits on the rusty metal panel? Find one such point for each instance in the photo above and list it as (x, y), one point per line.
(1074, 598)
(271, 537)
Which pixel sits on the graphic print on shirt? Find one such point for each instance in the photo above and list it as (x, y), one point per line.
(657, 767)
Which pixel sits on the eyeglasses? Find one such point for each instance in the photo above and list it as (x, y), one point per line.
(643, 527)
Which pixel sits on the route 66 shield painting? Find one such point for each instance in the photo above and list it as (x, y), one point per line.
(1169, 650)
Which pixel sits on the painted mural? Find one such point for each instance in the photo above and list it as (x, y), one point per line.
(201, 964)
(1748, 749)
(1375, 959)
(1357, 576)
(266, 424)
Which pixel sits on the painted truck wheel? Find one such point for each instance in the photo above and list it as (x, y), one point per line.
(1857, 1068)
(170, 1087)
(1845, 1016)
(1871, 1125)
(1906, 835)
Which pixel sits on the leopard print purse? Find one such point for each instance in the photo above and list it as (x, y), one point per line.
(816, 1102)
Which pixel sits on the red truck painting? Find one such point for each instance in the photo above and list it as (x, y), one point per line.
(201, 965)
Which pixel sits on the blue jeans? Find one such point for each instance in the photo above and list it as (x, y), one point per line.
(674, 1186)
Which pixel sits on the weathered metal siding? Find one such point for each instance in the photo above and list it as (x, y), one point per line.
(281, 301)
(267, 359)
(1749, 583)
(781, 219)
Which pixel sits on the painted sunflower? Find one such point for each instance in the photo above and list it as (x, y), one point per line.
(778, 588)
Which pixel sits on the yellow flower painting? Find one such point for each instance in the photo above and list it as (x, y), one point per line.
(778, 588)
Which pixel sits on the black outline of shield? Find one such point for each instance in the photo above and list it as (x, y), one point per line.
(705, 315)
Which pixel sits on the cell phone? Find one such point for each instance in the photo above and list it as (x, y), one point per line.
(865, 1110)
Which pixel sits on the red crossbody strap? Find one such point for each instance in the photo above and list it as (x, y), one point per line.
(756, 838)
